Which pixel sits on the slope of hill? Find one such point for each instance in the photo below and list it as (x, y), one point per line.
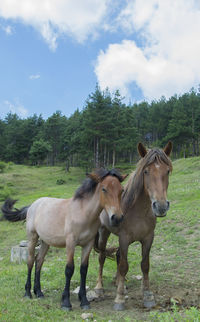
(175, 255)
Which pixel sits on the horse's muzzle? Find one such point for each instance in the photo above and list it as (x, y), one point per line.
(160, 208)
(116, 220)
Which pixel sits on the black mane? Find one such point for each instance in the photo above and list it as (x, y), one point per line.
(89, 184)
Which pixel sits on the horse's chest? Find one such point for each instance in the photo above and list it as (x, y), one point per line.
(140, 229)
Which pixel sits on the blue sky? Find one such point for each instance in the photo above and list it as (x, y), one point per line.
(53, 52)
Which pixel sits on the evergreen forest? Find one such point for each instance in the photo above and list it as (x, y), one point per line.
(104, 133)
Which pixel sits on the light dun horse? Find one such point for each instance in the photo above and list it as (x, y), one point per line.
(68, 223)
(144, 199)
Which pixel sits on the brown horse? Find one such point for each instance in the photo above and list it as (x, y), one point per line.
(144, 199)
(68, 223)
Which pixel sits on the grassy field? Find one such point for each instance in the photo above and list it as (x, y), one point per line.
(175, 255)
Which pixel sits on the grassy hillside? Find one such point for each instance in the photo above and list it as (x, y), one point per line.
(29, 183)
(175, 255)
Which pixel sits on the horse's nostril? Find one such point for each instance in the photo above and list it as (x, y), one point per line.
(168, 204)
(154, 204)
(116, 219)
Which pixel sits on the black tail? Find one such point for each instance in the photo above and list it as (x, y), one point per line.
(13, 215)
(109, 252)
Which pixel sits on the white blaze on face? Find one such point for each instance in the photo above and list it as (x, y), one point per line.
(110, 211)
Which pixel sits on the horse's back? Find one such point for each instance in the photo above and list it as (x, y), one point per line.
(46, 216)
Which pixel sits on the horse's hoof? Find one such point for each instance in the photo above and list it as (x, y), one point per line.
(149, 300)
(119, 307)
(28, 296)
(40, 295)
(99, 291)
(66, 308)
(85, 307)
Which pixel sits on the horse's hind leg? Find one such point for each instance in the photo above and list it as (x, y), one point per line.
(148, 297)
(116, 277)
(102, 241)
(123, 269)
(33, 238)
(38, 265)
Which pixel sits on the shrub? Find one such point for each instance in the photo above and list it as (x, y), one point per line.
(5, 193)
(2, 166)
(60, 181)
(10, 164)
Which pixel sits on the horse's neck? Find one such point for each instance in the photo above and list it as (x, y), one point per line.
(92, 207)
(141, 206)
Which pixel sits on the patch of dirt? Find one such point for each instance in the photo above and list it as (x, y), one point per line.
(165, 298)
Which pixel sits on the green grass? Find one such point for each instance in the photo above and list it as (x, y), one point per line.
(175, 255)
(30, 183)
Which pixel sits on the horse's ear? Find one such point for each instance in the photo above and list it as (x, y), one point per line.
(94, 177)
(168, 148)
(141, 150)
(124, 177)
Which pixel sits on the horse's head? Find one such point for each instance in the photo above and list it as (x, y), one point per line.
(110, 190)
(156, 177)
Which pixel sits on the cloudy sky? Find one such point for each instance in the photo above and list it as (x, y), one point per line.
(53, 52)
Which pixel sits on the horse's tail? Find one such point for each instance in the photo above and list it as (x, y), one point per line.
(13, 215)
(109, 252)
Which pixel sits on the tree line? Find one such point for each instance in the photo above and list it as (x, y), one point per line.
(105, 132)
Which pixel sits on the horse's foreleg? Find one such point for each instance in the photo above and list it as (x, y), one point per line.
(103, 238)
(148, 297)
(38, 265)
(33, 238)
(122, 271)
(85, 304)
(69, 270)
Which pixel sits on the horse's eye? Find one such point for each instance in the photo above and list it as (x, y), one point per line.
(168, 171)
(104, 190)
(145, 171)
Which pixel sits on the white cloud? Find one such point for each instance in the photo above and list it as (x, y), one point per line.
(165, 62)
(8, 30)
(52, 18)
(17, 108)
(36, 76)
(168, 60)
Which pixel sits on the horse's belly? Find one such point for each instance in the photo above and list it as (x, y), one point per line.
(56, 241)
